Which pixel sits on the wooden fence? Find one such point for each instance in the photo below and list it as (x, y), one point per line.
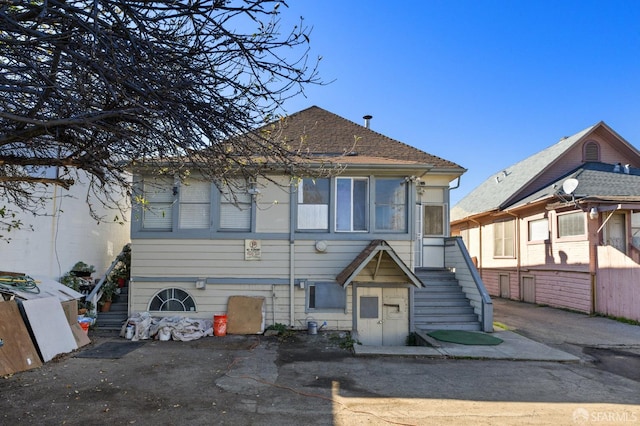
(617, 284)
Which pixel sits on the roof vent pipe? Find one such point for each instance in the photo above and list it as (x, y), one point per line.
(367, 120)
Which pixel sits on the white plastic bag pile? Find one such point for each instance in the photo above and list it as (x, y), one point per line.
(166, 328)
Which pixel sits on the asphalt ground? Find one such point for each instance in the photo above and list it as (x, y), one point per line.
(312, 380)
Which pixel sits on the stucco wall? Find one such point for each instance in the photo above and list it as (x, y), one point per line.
(64, 235)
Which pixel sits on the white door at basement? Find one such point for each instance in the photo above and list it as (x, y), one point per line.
(383, 316)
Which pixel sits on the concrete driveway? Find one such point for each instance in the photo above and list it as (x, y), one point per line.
(311, 380)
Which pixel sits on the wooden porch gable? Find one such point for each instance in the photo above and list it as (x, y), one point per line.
(377, 263)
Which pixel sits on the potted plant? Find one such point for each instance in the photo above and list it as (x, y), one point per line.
(82, 270)
(72, 281)
(120, 275)
(85, 306)
(108, 290)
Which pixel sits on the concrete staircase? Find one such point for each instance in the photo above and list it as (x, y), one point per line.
(441, 303)
(118, 314)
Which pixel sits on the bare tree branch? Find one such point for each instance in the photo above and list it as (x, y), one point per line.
(90, 85)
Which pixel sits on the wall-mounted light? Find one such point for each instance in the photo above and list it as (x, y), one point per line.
(593, 213)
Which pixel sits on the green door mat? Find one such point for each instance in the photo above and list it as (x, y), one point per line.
(464, 337)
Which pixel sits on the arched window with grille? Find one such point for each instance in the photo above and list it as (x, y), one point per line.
(172, 300)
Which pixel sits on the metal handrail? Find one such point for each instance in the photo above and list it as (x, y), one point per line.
(487, 320)
(96, 293)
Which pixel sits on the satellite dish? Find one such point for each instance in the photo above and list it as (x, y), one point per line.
(570, 185)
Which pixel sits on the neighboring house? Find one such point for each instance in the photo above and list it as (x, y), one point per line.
(342, 249)
(48, 245)
(562, 227)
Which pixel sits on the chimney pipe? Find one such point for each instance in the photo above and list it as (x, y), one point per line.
(367, 120)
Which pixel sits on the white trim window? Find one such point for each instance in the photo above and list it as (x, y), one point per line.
(157, 213)
(235, 208)
(503, 238)
(352, 201)
(391, 205)
(195, 205)
(313, 204)
(571, 225)
(539, 229)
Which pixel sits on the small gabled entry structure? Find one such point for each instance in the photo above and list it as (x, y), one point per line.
(381, 283)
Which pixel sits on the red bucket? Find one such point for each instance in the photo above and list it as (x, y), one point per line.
(85, 326)
(219, 325)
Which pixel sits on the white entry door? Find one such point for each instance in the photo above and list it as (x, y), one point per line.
(383, 316)
(616, 232)
(430, 226)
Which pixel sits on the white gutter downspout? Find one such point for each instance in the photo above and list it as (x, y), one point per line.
(292, 255)
(479, 266)
(518, 260)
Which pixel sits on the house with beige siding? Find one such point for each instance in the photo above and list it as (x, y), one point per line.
(352, 249)
(562, 227)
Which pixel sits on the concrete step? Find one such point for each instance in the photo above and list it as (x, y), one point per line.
(423, 318)
(111, 320)
(466, 326)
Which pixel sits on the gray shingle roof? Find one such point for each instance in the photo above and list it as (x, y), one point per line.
(596, 181)
(500, 189)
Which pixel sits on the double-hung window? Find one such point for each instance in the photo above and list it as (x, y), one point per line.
(159, 198)
(391, 205)
(503, 239)
(235, 208)
(313, 204)
(195, 205)
(352, 200)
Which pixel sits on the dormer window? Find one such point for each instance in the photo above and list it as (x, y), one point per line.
(591, 151)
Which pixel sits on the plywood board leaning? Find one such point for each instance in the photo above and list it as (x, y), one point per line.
(17, 352)
(245, 315)
(50, 328)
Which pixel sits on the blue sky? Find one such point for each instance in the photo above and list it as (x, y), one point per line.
(481, 83)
